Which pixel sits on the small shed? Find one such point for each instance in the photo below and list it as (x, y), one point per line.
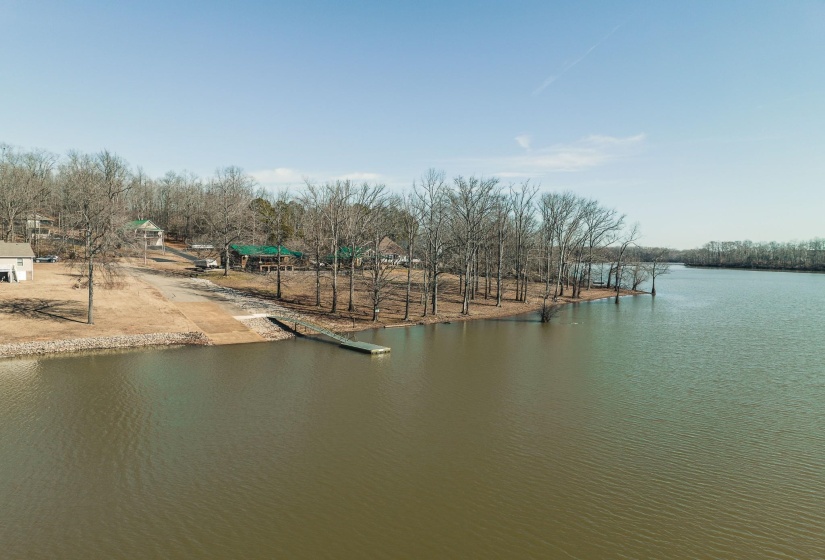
(145, 232)
(16, 262)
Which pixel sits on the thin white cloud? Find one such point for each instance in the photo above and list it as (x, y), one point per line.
(602, 140)
(524, 140)
(278, 176)
(553, 77)
(285, 176)
(513, 175)
(359, 176)
(592, 151)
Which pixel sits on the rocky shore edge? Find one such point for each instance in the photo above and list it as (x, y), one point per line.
(102, 343)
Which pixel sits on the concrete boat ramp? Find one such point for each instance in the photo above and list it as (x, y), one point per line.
(209, 307)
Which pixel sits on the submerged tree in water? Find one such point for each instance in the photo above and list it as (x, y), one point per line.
(549, 310)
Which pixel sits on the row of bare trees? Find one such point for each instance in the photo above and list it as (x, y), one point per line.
(472, 227)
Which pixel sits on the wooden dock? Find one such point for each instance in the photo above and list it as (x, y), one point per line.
(345, 342)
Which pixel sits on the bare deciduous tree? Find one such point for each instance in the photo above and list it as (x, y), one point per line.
(501, 223)
(357, 216)
(96, 188)
(380, 273)
(24, 180)
(523, 210)
(433, 207)
(314, 230)
(410, 220)
(274, 212)
(470, 202)
(658, 266)
(630, 237)
(228, 197)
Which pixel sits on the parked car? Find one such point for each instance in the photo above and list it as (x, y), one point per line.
(47, 259)
(205, 264)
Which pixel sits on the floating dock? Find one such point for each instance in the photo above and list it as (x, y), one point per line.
(365, 347)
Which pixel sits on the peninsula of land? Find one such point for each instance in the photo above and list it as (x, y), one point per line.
(167, 301)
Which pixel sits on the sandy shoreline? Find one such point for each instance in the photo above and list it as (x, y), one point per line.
(167, 304)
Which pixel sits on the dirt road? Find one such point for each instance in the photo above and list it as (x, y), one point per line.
(53, 307)
(214, 315)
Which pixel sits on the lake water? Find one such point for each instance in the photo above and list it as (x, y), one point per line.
(689, 426)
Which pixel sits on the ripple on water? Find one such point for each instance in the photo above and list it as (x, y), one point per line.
(688, 427)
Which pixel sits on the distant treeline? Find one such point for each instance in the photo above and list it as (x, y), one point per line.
(795, 255)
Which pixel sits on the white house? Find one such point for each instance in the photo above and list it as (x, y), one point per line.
(40, 226)
(146, 232)
(16, 262)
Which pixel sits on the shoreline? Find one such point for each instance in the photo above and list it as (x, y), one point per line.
(119, 342)
(269, 332)
(753, 268)
(167, 304)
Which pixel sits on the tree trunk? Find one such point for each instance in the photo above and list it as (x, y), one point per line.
(425, 291)
(317, 276)
(335, 280)
(278, 274)
(498, 274)
(351, 306)
(90, 312)
(226, 258)
(476, 275)
(526, 278)
(487, 273)
(409, 282)
(465, 304)
(434, 281)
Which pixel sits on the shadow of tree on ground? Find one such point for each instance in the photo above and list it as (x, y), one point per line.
(39, 308)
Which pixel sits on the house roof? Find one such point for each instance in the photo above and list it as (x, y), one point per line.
(145, 225)
(40, 218)
(15, 250)
(388, 246)
(268, 250)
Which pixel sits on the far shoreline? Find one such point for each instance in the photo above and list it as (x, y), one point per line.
(751, 268)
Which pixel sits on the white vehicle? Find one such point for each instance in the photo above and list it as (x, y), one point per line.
(205, 264)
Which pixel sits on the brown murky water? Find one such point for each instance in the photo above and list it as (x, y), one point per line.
(688, 427)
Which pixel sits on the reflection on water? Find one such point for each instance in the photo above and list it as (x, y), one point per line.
(689, 426)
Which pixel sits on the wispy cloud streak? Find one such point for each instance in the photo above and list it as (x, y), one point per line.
(552, 78)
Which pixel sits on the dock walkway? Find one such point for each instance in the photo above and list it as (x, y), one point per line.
(345, 342)
(285, 316)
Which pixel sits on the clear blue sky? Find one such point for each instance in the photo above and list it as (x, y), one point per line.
(701, 120)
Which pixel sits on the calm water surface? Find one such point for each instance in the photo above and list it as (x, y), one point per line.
(692, 426)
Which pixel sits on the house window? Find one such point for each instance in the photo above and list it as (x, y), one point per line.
(19, 262)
